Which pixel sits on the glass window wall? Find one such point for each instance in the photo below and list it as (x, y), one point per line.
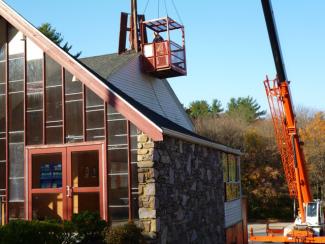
(54, 120)
(74, 104)
(2, 117)
(16, 43)
(94, 117)
(118, 201)
(34, 89)
(55, 107)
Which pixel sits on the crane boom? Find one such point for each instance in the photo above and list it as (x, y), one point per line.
(293, 160)
(274, 40)
(309, 226)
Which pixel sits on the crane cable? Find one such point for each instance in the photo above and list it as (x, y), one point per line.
(178, 15)
(146, 6)
(166, 9)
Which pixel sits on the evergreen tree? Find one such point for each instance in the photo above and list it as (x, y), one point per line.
(216, 107)
(245, 108)
(51, 33)
(199, 108)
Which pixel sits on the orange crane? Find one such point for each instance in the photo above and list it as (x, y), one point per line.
(309, 225)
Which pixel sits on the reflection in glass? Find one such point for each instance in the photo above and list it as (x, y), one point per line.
(2, 210)
(2, 38)
(94, 116)
(2, 178)
(86, 202)
(34, 113)
(16, 210)
(119, 213)
(134, 170)
(16, 43)
(224, 160)
(117, 134)
(118, 159)
(47, 206)
(54, 121)
(47, 171)
(73, 109)
(85, 169)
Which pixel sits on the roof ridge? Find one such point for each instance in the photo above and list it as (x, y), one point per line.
(110, 54)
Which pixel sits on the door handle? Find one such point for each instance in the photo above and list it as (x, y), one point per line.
(69, 191)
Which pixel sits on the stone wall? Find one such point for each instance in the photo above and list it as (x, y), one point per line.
(181, 195)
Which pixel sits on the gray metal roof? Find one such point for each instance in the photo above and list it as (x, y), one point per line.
(105, 66)
(108, 64)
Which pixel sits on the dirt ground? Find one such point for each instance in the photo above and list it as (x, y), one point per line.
(259, 229)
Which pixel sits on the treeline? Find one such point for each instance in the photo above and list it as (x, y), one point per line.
(245, 126)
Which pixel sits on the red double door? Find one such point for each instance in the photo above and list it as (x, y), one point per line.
(63, 181)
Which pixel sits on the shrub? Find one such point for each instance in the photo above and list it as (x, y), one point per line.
(84, 228)
(89, 227)
(124, 234)
(25, 232)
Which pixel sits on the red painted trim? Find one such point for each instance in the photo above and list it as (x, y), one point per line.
(105, 168)
(86, 189)
(72, 145)
(98, 189)
(133, 116)
(44, 97)
(43, 191)
(25, 117)
(25, 114)
(82, 73)
(7, 126)
(63, 105)
(66, 152)
(31, 191)
(68, 183)
(129, 171)
(64, 183)
(84, 122)
(28, 197)
(25, 91)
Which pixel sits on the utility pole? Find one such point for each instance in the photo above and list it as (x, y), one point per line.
(134, 26)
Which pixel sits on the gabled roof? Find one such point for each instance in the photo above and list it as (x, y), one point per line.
(124, 72)
(106, 65)
(145, 119)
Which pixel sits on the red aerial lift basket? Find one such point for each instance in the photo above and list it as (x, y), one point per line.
(164, 58)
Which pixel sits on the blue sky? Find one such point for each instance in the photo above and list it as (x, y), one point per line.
(228, 50)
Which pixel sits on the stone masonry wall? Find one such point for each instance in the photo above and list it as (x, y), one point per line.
(181, 195)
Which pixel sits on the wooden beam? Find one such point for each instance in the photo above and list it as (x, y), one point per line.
(123, 32)
(134, 26)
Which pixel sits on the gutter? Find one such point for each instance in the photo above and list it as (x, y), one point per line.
(200, 141)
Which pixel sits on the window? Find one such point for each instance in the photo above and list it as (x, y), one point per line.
(34, 87)
(2, 115)
(16, 120)
(54, 120)
(56, 108)
(134, 168)
(231, 176)
(118, 166)
(73, 109)
(94, 117)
